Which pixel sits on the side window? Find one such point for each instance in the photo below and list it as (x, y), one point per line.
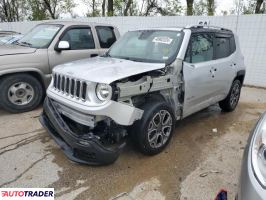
(202, 48)
(106, 36)
(232, 44)
(79, 38)
(188, 54)
(222, 49)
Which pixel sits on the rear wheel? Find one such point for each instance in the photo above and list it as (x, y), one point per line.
(230, 102)
(20, 93)
(155, 129)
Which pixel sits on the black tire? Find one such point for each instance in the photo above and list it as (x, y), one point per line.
(230, 102)
(20, 83)
(141, 128)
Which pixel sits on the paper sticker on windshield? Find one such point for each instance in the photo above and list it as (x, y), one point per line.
(162, 39)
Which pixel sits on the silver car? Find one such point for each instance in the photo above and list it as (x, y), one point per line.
(252, 183)
(26, 67)
(147, 80)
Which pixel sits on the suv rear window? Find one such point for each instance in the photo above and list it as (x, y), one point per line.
(106, 36)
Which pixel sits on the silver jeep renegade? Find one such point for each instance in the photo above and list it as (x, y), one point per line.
(139, 88)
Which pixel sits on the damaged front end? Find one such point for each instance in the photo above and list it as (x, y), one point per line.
(80, 143)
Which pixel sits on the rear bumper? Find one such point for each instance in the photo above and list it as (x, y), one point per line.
(85, 150)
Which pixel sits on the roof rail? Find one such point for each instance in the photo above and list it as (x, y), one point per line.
(214, 27)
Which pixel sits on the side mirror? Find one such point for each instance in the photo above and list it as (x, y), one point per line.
(63, 45)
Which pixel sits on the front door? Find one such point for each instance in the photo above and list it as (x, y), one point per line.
(82, 45)
(199, 73)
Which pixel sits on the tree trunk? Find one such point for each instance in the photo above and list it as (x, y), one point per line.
(110, 8)
(210, 4)
(49, 8)
(129, 2)
(93, 8)
(103, 8)
(190, 7)
(258, 6)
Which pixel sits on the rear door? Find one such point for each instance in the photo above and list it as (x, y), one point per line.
(106, 36)
(198, 73)
(225, 66)
(82, 45)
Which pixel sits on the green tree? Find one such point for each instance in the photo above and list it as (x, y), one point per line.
(93, 10)
(258, 6)
(248, 8)
(211, 7)
(12, 10)
(37, 10)
(173, 7)
(129, 4)
(200, 8)
(110, 7)
(190, 7)
(103, 7)
(56, 7)
(161, 7)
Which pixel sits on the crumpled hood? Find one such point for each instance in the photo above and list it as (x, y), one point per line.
(105, 69)
(15, 49)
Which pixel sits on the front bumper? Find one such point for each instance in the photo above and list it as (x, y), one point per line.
(85, 150)
(121, 113)
(249, 187)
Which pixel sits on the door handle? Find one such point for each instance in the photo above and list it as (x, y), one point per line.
(94, 55)
(192, 66)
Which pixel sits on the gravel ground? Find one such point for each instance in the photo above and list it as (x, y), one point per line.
(203, 157)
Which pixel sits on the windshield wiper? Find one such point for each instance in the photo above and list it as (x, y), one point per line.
(27, 43)
(132, 59)
(106, 55)
(22, 44)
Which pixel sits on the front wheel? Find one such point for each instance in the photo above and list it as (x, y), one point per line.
(155, 129)
(230, 102)
(20, 93)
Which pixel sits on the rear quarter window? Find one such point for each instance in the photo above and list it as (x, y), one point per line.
(232, 44)
(222, 47)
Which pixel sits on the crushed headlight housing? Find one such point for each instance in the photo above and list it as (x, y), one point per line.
(258, 151)
(103, 92)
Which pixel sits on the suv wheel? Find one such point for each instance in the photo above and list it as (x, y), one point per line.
(155, 129)
(230, 102)
(20, 93)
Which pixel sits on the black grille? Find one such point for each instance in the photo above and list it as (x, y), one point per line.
(74, 88)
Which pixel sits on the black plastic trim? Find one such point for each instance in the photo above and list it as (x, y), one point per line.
(241, 73)
(82, 150)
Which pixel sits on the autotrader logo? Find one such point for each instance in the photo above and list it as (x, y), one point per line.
(27, 193)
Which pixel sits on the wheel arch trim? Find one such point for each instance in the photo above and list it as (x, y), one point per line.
(40, 76)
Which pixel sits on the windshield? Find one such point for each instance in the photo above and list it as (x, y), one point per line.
(40, 36)
(147, 46)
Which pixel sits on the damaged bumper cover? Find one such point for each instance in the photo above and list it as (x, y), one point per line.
(86, 150)
(121, 113)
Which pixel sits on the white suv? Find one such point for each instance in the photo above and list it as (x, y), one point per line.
(139, 88)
